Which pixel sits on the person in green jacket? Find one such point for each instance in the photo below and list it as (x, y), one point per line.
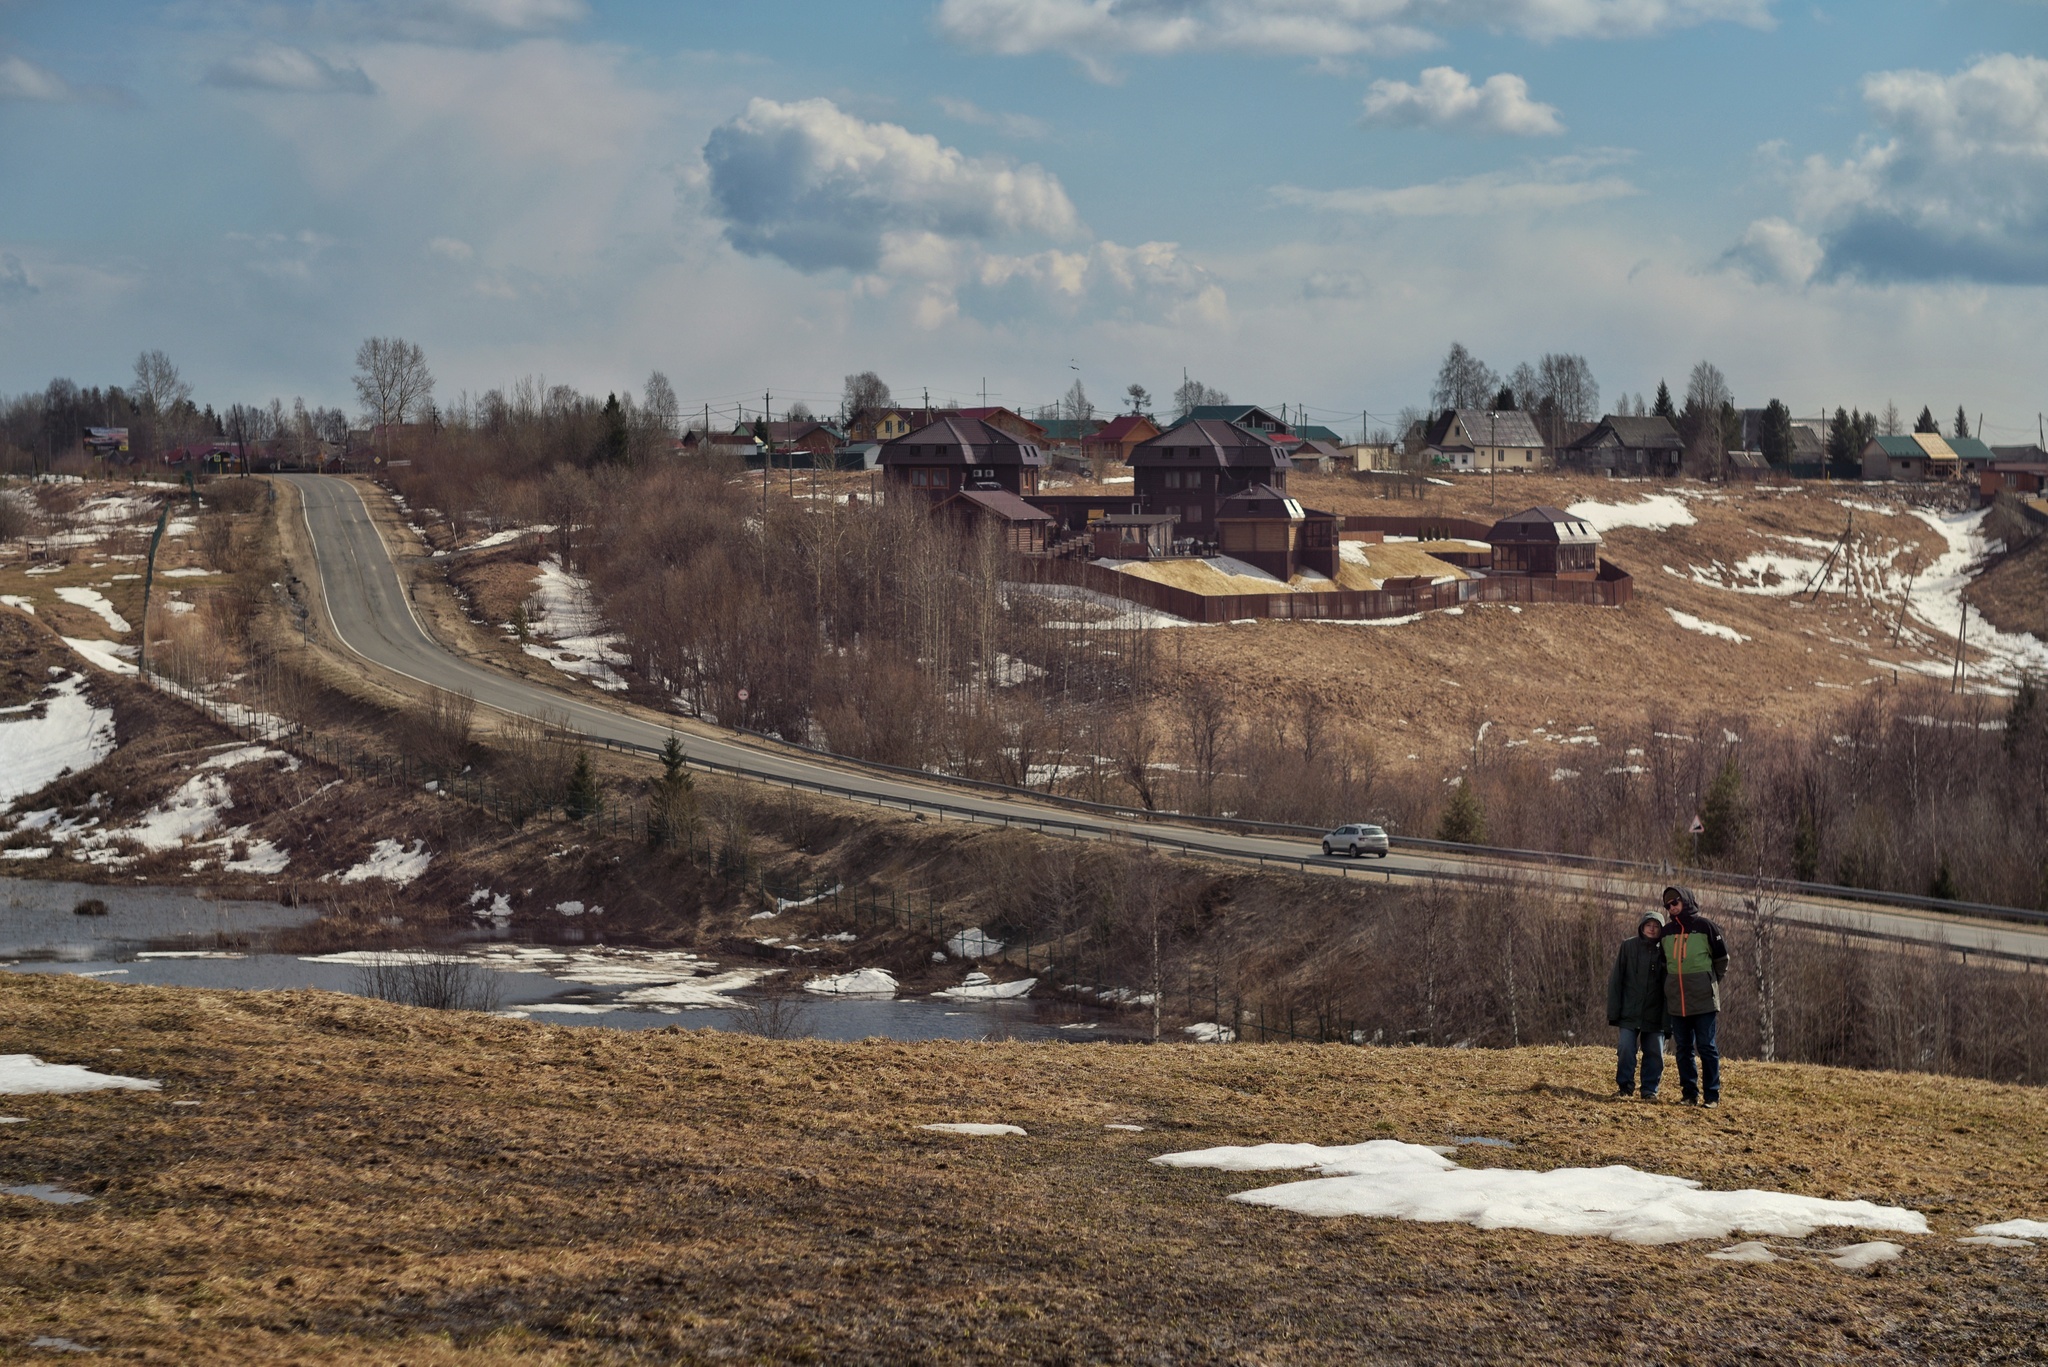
(1695, 961)
(1635, 1003)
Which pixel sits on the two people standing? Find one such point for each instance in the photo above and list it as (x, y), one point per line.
(1667, 977)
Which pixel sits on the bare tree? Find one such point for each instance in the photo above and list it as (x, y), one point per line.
(1193, 394)
(1463, 381)
(1567, 382)
(661, 404)
(1075, 404)
(1139, 396)
(158, 386)
(865, 392)
(392, 379)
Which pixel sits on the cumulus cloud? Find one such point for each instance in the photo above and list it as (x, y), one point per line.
(1010, 125)
(1445, 97)
(1088, 30)
(21, 79)
(1553, 186)
(820, 189)
(1954, 186)
(273, 66)
(1774, 251)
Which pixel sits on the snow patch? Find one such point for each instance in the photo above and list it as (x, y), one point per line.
(27, 1075)
(1391, 1179)
(392, 862)
(973, 944)
(94, 602)
(974, 1129)
(562, 612)
(980, 987)
(2016, 1229)
(16, 601)
(1655, 513)
(1692, 623)
(71, 736)
(862, 982)
(105, 654)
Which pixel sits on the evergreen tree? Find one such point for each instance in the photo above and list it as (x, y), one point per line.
(1726, 814)
(581, 799)
(1926, 422)
(1774, 435)
(1464, 820)
(612, 442)
(1962, 422)
(2023, 714)
(1805, 847)
(1664, 408)
(672, 811)
(1943, 888)
(1504, 402)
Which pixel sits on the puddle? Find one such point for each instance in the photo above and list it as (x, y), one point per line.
(37, 921)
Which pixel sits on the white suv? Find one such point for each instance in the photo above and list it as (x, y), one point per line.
(1356, 840)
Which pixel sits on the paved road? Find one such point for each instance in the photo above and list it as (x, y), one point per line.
(370, 614)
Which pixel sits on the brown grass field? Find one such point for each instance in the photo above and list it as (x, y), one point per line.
(324, 1179)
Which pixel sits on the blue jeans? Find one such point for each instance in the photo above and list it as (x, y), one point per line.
(1697, 1032)
(1652, 1046)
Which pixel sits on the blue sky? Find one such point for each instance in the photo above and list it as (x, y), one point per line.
(1299, 201)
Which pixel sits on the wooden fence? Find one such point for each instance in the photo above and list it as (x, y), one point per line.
(1611, 587)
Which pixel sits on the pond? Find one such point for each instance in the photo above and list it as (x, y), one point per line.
(175, 937)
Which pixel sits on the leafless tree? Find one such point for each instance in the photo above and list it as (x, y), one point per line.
(158, 386)
(1463, 381)
(1075, 405)
(1193, 394)
(864, 393)
(392, 380)
(661, 405)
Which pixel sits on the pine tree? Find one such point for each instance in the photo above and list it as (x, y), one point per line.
(1943, 888)
(581, 799)
(1504, 402)
(1925, 422)
(1805, 847)
(1962, 422)
(1464, 820)
(672, 810)
(1664, 408)
(1774, 434)
(1726, 813)
(611, 445)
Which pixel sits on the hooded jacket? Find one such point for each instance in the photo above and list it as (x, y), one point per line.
(1635, 985)
(1695, 958)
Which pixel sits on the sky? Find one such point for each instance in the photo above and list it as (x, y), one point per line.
(1298, 202)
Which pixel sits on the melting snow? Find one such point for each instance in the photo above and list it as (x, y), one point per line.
(862, 982)
(27, 1075)
(973, 944)
(2016, 1229)
(1654, 513)
(1692, 623)
(16, 601)
(974, 1129)
(980, 987)
(105, 654)
(1387, 1178)
(1209, 1032)
(71, 736)
(561, 611)
(392, 862)
(92, 601)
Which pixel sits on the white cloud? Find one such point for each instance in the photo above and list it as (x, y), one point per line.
(1774, 251)
(21, 79)
(1954, 186)
(282, 256)
(438, 20)
(820, 189)
(1445, 97)
(1010, 125)
(1492, 194)
(1091, 30)
(451, 248)
(274, 66)
(14, 281)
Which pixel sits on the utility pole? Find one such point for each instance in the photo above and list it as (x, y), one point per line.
(1492, 454)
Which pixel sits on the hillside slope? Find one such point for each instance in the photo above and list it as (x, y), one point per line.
(343, 1181)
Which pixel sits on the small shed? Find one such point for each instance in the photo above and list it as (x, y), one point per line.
(1134, 536)
(1264, 527)
(1022, 527)
(1545, 541)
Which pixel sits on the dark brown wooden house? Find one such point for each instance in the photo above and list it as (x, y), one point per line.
(1190, 469)
(1021, 527)
(1262, 526)
(954, 453)
(1545, 541)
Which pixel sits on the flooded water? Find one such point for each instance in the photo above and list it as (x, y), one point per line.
(176, 938)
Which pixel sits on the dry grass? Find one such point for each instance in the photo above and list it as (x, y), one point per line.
(367, 1183)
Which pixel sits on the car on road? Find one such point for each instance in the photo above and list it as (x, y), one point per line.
(1357, 840)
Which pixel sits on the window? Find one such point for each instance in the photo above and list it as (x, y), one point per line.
(1173, 479)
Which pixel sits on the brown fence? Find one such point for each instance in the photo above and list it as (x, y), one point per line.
(1611, 588)
(1422, 528)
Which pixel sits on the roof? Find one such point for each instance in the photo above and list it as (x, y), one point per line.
(1635, 434)
(1544, 523)
(1316, 446)
(1069, 429)
(1311, 432)
(1212, 442)
(1247, 414)
(2029, 453)
(1000, 503)
(1260, 500)
(1748, 460)
(1484, 427)
(803, 427)
(954, 440)
(1134, 519)
(1119, 427)
(1931, 446)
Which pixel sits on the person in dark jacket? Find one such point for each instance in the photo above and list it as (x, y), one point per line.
(1695, 961)
(1635, 1003)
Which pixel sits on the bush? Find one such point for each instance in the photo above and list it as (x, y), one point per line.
(438, 982)
(1464, 820)
(581, 798)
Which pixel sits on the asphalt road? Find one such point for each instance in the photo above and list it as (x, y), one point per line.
(370, 614)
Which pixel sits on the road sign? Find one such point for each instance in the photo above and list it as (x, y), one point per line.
(1698, 826)
(743, 695)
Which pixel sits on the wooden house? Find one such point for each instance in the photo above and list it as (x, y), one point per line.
(1020, 526)
(1115, 440)
(1622, 445)
(1190, 469)
(1262, 526)
(1545, 541)
(1483, 440)
(1133, 536)
(1004, 420)
(954, 453)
